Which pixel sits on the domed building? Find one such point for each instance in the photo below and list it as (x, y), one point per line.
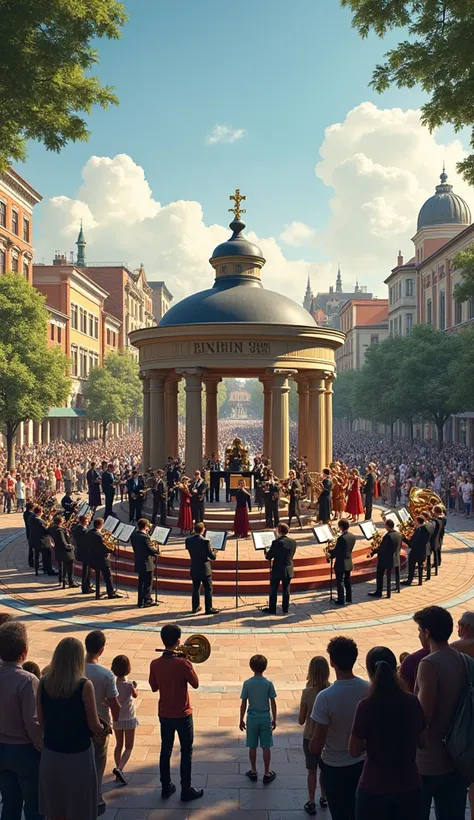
(441, 218)
(239, 329)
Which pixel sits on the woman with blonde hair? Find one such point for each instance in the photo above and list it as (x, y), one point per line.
(317, 680)
(67, 714)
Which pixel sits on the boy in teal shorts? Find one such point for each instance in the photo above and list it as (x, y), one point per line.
(260, 695)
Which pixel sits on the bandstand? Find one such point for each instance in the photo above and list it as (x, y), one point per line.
(237, 329)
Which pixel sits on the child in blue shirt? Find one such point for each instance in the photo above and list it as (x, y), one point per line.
(259, 693)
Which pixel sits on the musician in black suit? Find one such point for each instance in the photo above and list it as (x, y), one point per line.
(201, 554)
(198, 489)
(438, 513)
(294, 491)
(136, 494)
(390, 543)
(432, 528)
(78, 536)
(343, 564)
(325, 497)
(99, 560)
(369, 490)
(63, 549)
(108, 488)
(26, 518)
(271, 495)
(145, 552)
(93, 485)
(418, 544)
(69, 505)
(214, 467)
(172, 478)
(281, 553)
(435, 525)
(40, 541)
(160, 499)
(397, 563)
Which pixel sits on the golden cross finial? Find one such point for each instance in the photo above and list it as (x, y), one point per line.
(237, 210)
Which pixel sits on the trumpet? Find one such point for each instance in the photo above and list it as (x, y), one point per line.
(196, 649)
(376, 540)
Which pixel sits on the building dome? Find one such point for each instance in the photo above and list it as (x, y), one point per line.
(444, 208)
(237, 294)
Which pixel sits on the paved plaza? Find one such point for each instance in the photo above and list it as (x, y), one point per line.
(220, 756)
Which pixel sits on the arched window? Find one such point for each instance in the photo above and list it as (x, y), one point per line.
(429, 312)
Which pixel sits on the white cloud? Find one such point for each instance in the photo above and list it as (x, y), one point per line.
(224, 133)
(298, 234)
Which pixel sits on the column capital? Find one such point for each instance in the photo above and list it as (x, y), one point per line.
(276, 371)
(158, 374)
(190, 371)
(211, 381)
(302, 385)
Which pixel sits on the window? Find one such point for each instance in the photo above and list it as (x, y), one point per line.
(429, 312)
(457, 313)
(3, 261)
(26, 270)
(91, 360)
(400, 325)
(108, 336)
(96, 327)
(442, 310)
(82, 364)
(59, 334)
(114, 338)
(83, 320)
(3, 214)
(26, 229)
(409, 287)
(73, 361)
(52, 332)
(470, 305)
(74, 317)
(91, 324)
(15, 264)
(399, 290)
(15, 222)
(374, 340)
(409, 321)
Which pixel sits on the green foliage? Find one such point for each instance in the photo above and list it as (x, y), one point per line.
(464, 262)
(46, 59)
(344, 400)
(461, 373)
(436, 55)
(221, 398)
(124, 367)
(113, 392)
(33, 376)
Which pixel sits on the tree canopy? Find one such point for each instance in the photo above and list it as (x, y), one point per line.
(464, 262)
(33, 376)
(344, 400)
(436, 54)
(46, 60)
(113, 392)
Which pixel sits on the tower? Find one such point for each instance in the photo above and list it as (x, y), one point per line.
(81, 249)
(339, 281)
(308, 297)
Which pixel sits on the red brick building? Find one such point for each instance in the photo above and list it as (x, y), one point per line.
(17, 200)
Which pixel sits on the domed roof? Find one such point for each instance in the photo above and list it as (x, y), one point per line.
(444, 207)
(238, 294)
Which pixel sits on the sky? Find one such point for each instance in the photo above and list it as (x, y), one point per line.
(267, 96)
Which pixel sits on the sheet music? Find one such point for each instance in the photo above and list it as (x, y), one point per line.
(118, 530)
(323, 533)
(161, 535)
(263, 540)
(126, 532)
(217, 538)
(83, 509)
(110, 523)
(368, 529)
(404, 515)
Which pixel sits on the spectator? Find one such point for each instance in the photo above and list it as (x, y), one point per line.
(466, 634)
(32, 666)
(388, 725)
(20, 494)
(317, 680)
(20, 733)
(259, 694)
(333, 714)
(68, 716)
(409, 665)
(170, 675)
(466, 489)
(5, 617)
(107, 702)
(440, 680)
(127, 723)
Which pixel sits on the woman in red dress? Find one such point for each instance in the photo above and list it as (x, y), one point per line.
(185, 517)
(244, 506)
(354, 505)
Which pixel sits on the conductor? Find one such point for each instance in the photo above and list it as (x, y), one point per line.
(281, 553)
(390, 545)
(343, 564)
(145, 552)
(201, 554)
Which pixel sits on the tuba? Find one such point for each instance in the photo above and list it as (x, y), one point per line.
(422, 499)
(196, 649)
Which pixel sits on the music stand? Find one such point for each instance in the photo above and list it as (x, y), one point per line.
(393, 515)
(110, 524)
(368, 529)
(263, 541)
(323, 533)
(122, 533)
(160, 535)
(404, 515)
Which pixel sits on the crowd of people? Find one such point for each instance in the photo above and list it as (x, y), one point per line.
(387, 745)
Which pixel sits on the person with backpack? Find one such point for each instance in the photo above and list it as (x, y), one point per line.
(441, 684)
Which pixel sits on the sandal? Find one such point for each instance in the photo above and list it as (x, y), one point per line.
(268, 778)
(323, 802)
(253, 776)
(310, 808)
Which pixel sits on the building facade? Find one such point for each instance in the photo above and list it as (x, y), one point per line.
(365, 323)
(325, 307)
(161, 300)
(402, 297)
(17, 200)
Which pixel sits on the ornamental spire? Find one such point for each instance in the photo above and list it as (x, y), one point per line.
(237, 197)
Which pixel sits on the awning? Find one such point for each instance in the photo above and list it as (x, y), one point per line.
(66, 413)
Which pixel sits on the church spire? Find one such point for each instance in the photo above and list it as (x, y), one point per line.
(81, 249)
(339, 280)
(308, 297)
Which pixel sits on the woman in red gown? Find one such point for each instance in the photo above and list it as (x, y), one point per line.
(185, 517)
(354, 505)
(244, 506)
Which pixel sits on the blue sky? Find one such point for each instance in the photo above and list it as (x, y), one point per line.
(281, 71)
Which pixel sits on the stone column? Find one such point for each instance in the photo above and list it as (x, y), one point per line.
(146, 421)
(316, 426)
(193, 388)
(20, 432)
(28, 432)
(303, 414)
(46, 431)
(280, 422)
(328, 417)
(267, 416)
(212, 435)
(37, 432)
(171, 415)
(157, 420)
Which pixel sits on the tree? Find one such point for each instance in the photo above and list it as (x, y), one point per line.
(45, 70)
(437, 55)
(344, 406)
(33, 376)
(124, 367)
(461, 374)
(464, 262)
(106, 399)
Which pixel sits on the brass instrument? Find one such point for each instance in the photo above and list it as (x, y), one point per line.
(316, 484)
(196, 649)
(140, 494)
(376, 540)
(329, 545)
(110, 542)
(406, 528)
(237, 452)
(422, 499)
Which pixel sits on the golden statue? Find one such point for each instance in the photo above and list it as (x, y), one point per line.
(237, 197)
(237, 457)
